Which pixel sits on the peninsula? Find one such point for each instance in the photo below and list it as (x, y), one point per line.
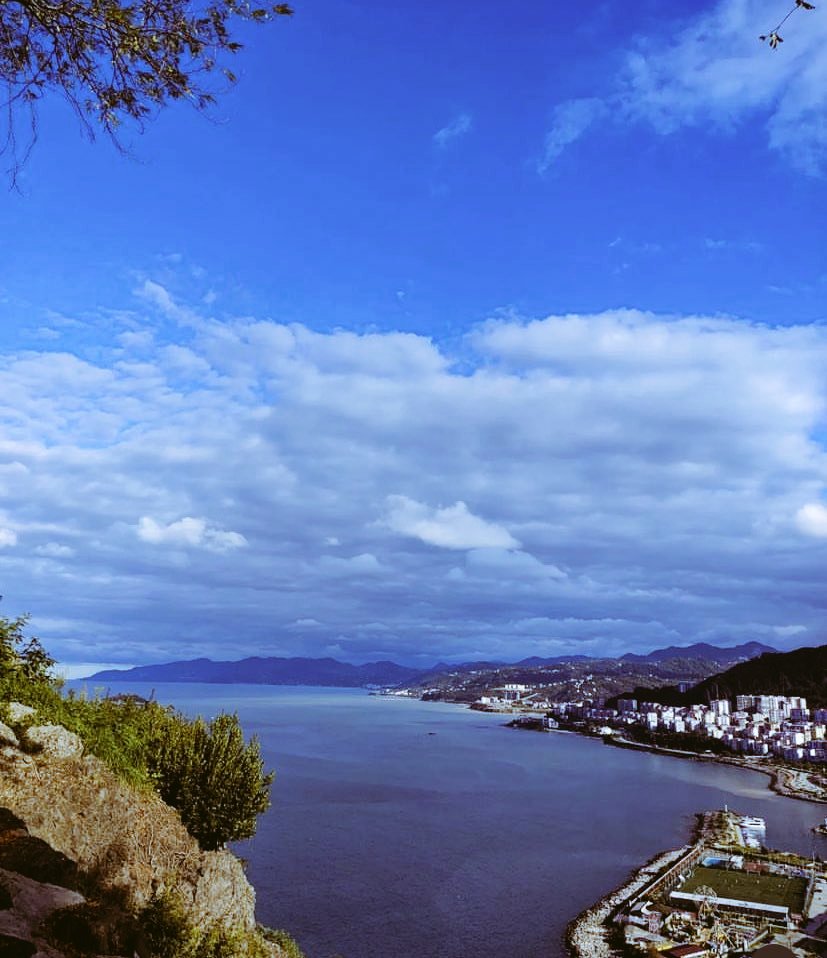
(724, 894)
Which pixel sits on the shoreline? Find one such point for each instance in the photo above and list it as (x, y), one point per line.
(590, 934)
(784, 780)
(587, 935)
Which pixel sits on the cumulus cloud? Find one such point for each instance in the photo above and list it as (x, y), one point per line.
(8, 538)
(160, 297)
(713, 73)
(453, 527)
(363, 564)
(811, 519)
(188, 532)
(457, 128)
(658, 478)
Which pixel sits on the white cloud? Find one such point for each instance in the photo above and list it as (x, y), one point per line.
(363, 564)
(220, 541)
(811, 519)
(713, 73)
(160, 297)
(715, 70)
(569, 121)
(55, 550)
(457, 128)
(453, 527)
(512, 563)
(740, 246)
(188, 532)
(615, 468)
(8, 538)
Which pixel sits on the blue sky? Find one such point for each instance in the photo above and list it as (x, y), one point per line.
(456, 332)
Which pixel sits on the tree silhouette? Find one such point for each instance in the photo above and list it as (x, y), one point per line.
(113, 60)
(774, 37)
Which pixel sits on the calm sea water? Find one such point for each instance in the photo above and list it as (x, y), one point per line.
(401, 828)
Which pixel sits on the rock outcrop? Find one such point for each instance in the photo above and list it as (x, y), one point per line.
(53, 741)
(81, 853)
(7, 736)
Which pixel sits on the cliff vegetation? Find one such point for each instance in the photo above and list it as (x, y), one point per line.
(114, 816)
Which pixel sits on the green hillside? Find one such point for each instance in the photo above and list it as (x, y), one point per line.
(802, 672)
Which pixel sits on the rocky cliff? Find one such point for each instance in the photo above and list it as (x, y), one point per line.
(83, 856)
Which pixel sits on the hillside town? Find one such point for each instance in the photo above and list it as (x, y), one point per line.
(758, 725)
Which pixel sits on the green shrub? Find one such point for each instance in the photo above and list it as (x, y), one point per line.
(277, 936)
(169, 934)
(206, 771)
(165, 927)
(23, 660)
(215, 780)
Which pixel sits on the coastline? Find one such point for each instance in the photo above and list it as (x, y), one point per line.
(786, 781)
(591, 933)
(587, 935)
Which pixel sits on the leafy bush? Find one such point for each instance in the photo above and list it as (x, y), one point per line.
(166, 929)
(215, 780)
(22, 660)
(206, 771)
(169, 934)
(288, 945)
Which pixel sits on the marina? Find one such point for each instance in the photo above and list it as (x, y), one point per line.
(722, 896)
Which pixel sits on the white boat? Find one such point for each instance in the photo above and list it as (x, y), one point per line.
(753, 831)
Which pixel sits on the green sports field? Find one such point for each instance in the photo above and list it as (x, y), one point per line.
(766, 889)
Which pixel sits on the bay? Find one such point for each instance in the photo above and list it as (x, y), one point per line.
(404, 828)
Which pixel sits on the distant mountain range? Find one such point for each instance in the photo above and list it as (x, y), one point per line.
(704, 651)
(271, 670)
(275, 670)
(801, 672)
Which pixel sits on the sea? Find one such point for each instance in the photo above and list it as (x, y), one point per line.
(408, 829)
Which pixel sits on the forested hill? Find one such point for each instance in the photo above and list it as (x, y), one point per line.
(802, 672)
(702, 650)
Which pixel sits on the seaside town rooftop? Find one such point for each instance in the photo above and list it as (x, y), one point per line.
(780, 726)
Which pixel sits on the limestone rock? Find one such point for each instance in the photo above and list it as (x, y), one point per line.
(13, 761)
(222, 891)
(130, 840)
(19, 712)
(32, 857)
(31, 903)
(53, 740)
(7, 736)
(66, 820)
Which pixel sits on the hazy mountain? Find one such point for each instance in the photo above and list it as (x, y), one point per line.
(270, 670)
(704, 651)
(274, 670)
